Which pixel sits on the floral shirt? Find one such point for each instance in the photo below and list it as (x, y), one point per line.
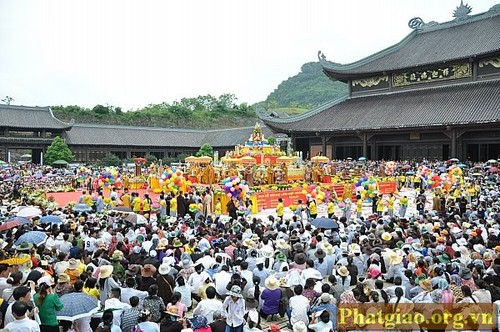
(155, 305)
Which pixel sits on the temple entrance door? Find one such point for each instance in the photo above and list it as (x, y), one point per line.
(389, 152)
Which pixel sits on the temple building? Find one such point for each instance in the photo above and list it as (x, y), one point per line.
(32, 129)
(434, 95)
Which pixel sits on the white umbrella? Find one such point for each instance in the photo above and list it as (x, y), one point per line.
(29, 212)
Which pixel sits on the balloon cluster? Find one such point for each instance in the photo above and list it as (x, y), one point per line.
(234, 187)
(315, 191)
(433, 181)
(390, 166)
(173, 180)
(110, 177)
(455, 174)
(366, 187)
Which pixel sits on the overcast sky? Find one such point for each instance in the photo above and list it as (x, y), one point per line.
(133, 53)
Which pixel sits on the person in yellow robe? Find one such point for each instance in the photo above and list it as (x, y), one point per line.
(313, 209)
(125, 198)
(380, 205)
(359, 206)
(390, 205)
(218, 208)
(146, 204)
(136, 203)
(173, 207)
(331, 209)
(280, 208)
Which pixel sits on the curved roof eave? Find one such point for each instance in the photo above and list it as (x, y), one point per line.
(262, 115)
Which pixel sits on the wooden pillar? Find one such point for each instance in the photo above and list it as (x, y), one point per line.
(323, 145)
(453, 139)
(365, 145)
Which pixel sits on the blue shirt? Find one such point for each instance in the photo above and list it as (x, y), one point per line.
(332, 309)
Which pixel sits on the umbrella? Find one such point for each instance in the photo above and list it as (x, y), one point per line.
(362, 159)
(405, 167)
(462, 166)
(454, 160)
(26, 156)
(205, 160)
(82, 208)
(282, 159)
(29, 212)
(22, 220)
(122, 209)
(493, 170)
(9, 224)
(325, 223)
(492, 161)
(410, 173)
(320, 159)
(139, 160)
(50, 219)
(136, 219)
(477, 174)
(15, 261)
(35, 237)
(87, 306)
(60, 162)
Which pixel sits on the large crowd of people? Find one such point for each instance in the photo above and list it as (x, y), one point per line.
(180, 271)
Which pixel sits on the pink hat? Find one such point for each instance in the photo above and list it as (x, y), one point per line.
(409, 239)
(374, 273)
(142, 230)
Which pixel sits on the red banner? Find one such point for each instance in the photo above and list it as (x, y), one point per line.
(387, 187)
(268, 199)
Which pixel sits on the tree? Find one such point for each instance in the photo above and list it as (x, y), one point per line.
(58, 150)
(150, 159)
(271, 140)
(7, 100)
(205, 150)
(100, 109)
(111, 160)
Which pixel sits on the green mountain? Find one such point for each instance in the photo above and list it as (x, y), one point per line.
(308, 89)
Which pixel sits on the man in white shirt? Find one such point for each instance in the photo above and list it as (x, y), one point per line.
(221, 280)
(299, 306)
(89, 243)
(4, 274)
(198, 278)
(22, 323)
(203, 244)
(21, 293)
(117, 305)
(207, 260)
(208, 307)
(129, 291)
(247, 275)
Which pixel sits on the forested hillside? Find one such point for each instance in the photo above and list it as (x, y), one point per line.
(309, 88)
(203, 112)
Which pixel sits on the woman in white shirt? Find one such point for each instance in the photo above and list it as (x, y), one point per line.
(145, 324)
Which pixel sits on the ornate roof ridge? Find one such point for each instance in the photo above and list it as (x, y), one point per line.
(261, 113)
(419, 27)
(46, 109)
(191, 130)
(267, 119)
